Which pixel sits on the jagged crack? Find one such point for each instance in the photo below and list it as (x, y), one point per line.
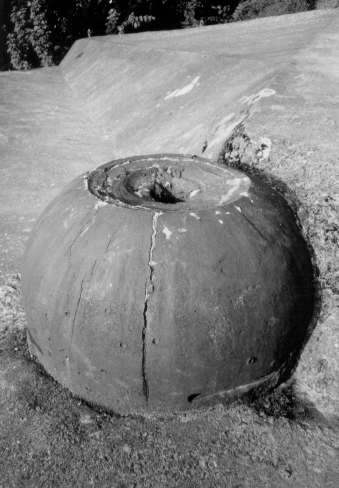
(77, 308)
(149, 287)
(80, 296)
(84, 228)
(254, 227)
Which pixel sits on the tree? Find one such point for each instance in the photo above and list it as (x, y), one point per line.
(40, 32)
(29, 42)
(5, 10)
(250, 9)
(197, 12)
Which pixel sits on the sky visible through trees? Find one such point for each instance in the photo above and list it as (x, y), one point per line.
(38, 33)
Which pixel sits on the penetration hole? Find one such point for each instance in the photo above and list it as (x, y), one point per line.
(163, 185)
(252, 360)
(159, 193)
(190, 398)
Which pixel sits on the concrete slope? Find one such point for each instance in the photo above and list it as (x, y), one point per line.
(183, 91)
(45, 141)
(115, 96)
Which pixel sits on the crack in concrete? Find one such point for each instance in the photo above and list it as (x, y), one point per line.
(83, 228)
(80, 296)
(149, 288)
(254, 227)
(77, 308)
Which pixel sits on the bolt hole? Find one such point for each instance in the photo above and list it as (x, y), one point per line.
(252, 360)
(193, 397)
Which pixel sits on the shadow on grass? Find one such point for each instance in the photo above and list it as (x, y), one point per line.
(240, 153)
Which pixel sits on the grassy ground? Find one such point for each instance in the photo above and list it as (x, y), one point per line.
(51, 439)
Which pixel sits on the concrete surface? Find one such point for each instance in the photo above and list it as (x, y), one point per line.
(184, 92)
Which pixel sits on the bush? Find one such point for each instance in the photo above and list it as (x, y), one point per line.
(29, 42)
(40, 32)
(250, 9)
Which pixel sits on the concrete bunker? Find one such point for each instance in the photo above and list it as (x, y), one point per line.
(197, 268)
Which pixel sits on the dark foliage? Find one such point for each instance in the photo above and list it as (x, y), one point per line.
(250, 9)
(38, 33)
(285, 403)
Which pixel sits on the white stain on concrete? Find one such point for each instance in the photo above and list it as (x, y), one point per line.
(255, 97)
(235, 183)
(167, 232)
(182, 230)
(227, 118)
(67, 222)
(277, 107)
(194, 192)
(238, 208)
(221, 221)
(217, 212)
(194, 215)
(193, 132)
(125, 163)
(100, 204)
(247, 195)
(84, 230)
(183, 91)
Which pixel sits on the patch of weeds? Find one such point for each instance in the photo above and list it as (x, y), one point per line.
(284, 403)
(15, 344)
(244, 154)
(309, 187)
(12, 315)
